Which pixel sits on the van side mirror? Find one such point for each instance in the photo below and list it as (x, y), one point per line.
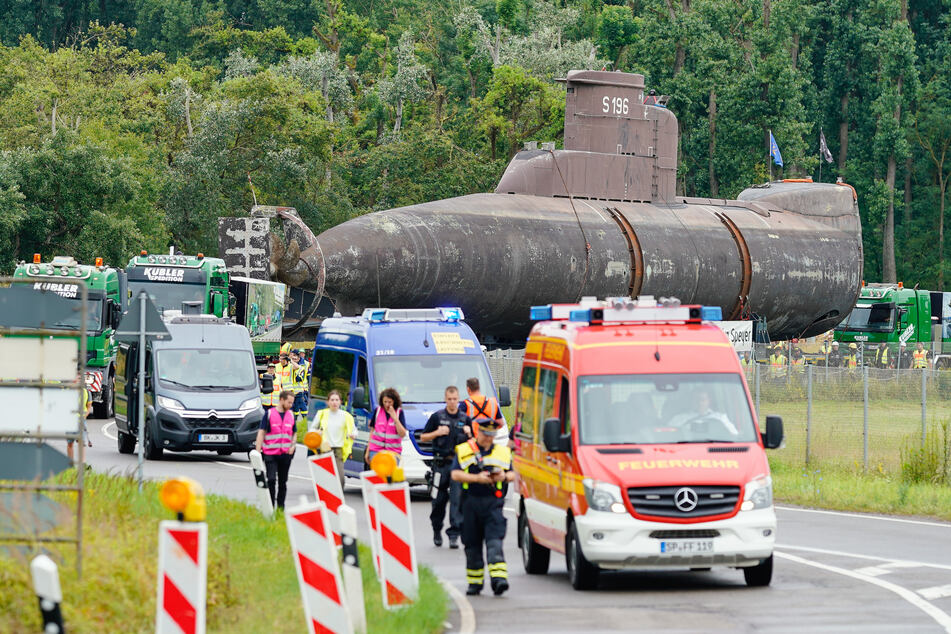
(505, 398)
(553, 438)
(773, 437)
(359, 398)
(267, 383)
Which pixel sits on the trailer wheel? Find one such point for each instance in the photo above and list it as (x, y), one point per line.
(106, 408)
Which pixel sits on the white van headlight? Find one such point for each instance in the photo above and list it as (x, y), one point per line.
(250, 404)
(602, 496)
(170, 403)
(759, 494)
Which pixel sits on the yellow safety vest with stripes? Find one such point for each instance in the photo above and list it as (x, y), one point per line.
(299, 378)
(921, 359)
(500, 457)
(272, 398)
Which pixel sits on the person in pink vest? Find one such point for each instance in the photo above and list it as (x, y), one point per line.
(388, 425)
(277, 439)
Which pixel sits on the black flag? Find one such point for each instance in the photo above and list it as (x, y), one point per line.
(823, 148)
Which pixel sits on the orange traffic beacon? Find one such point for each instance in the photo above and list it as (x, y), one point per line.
(637, 444)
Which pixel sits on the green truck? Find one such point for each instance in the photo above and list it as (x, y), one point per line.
(107, 293)
(895, 314)
(177, 282)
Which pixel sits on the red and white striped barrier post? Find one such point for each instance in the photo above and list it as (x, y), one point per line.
(315, 557)
(399, 574)
(323, 472)
(183, 561)
(367, 481)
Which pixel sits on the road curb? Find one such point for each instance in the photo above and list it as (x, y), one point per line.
(467, 623)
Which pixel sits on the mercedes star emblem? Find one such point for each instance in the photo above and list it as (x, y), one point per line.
(686, 499)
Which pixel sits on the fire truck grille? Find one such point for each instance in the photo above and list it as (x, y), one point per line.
(661, 501)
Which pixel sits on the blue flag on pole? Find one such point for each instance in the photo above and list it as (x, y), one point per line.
(774, 150)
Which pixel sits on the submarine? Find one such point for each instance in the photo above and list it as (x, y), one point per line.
(598, 218)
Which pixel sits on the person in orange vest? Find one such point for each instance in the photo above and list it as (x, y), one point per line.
(796, 359)
(482, 408)
(920, 357)
(850, 360)
(277, 440)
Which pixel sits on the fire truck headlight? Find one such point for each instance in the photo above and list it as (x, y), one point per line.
(759, 494)
(602, 496)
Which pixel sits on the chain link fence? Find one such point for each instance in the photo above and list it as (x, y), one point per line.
(858, 416)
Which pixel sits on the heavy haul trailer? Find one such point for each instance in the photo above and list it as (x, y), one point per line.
(107, 293)
(895, 314)
(600, 217)
(259, 306)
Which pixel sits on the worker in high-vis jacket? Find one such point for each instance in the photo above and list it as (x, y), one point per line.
(484, 469)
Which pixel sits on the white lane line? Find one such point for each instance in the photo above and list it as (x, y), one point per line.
(936, 592)
(890, 563)
(873, 571)
(939, 616)
(227, 464)
(466, 613)
(865, 516)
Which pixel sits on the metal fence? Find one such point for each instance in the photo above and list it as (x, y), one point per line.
(859, 417)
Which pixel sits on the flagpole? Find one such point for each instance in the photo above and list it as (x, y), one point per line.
(769, 155)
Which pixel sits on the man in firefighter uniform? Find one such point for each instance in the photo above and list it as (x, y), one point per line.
(484, 469)
(299, 384)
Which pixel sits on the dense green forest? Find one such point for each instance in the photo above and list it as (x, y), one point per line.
(134, 124)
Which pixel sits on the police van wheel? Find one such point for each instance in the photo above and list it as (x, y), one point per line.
(759, 575)
(126, 442)
(535, 557)
(581, 572)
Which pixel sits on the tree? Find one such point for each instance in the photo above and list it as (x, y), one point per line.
(404, 86)
(616, 29)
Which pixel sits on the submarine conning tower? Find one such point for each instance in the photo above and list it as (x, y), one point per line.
(616, 148)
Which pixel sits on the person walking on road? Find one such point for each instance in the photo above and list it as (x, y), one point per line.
(445, 429)
(87, 410)
(484, 468)
(388, 425)
(277, 440)
(335, 426)
(481, 408)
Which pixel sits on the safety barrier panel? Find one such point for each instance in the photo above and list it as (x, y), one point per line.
(323, 473)
(367, 481)
(398, 570)
(183, 561)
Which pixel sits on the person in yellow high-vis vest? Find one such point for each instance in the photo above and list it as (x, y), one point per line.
(777, 362)
(851, 360)
(270, 399)
(920, 357)
(299, 383)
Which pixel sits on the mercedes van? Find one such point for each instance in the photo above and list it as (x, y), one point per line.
(418, 352)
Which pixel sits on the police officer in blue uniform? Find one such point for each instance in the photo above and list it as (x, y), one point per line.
(484, 469)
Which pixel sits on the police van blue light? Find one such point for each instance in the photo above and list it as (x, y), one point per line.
(418, 352)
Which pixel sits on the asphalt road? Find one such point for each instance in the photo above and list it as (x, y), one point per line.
(834, 572)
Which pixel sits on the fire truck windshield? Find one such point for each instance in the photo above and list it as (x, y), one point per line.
(663, 408)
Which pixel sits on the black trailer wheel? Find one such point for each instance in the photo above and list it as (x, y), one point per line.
(106, 408)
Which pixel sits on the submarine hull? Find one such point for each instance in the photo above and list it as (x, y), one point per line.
(495, 255)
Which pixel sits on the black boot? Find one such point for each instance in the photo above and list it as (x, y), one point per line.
(454, 542)
(473, 589)
(499, 585)
(437, 539)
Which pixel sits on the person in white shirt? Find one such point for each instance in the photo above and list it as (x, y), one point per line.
(337, 428)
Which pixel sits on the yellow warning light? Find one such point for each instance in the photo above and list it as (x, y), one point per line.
(184, 497)
(313, 440)
(384, 463)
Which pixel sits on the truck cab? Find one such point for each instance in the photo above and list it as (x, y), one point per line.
(637, 444)
(419, 352)
(889, 313)
(174, 279)
(201, 389)
(107, 301)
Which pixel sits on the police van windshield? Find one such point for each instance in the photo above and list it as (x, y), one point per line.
(663, 408)
(424, 378)
(871, 318)
(169, 295)
(206, 369)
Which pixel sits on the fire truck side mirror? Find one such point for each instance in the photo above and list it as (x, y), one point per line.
(554, 440)
(773, 437)
(505, 397)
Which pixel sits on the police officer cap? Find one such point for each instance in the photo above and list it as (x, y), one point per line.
(490, 425)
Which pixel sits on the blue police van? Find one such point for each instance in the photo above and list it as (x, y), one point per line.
(418, 352)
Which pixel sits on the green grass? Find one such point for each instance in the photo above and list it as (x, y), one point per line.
(250, 570)
(849, 490)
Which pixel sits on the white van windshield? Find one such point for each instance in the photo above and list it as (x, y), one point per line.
(424, 378)
(663, 408)
(207, 369)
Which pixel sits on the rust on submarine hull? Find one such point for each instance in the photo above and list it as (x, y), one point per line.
(600, 217)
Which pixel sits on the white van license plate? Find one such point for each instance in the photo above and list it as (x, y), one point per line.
(212, 437)
(687, 547)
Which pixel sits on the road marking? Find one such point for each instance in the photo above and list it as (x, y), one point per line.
(936, 592)
(865, 516)
(939, 616)
(466, 613)
(873, 571)
(227, 464)
(890, 563)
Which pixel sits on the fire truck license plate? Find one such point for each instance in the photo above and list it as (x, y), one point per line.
(212, 437)
(687, 547)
